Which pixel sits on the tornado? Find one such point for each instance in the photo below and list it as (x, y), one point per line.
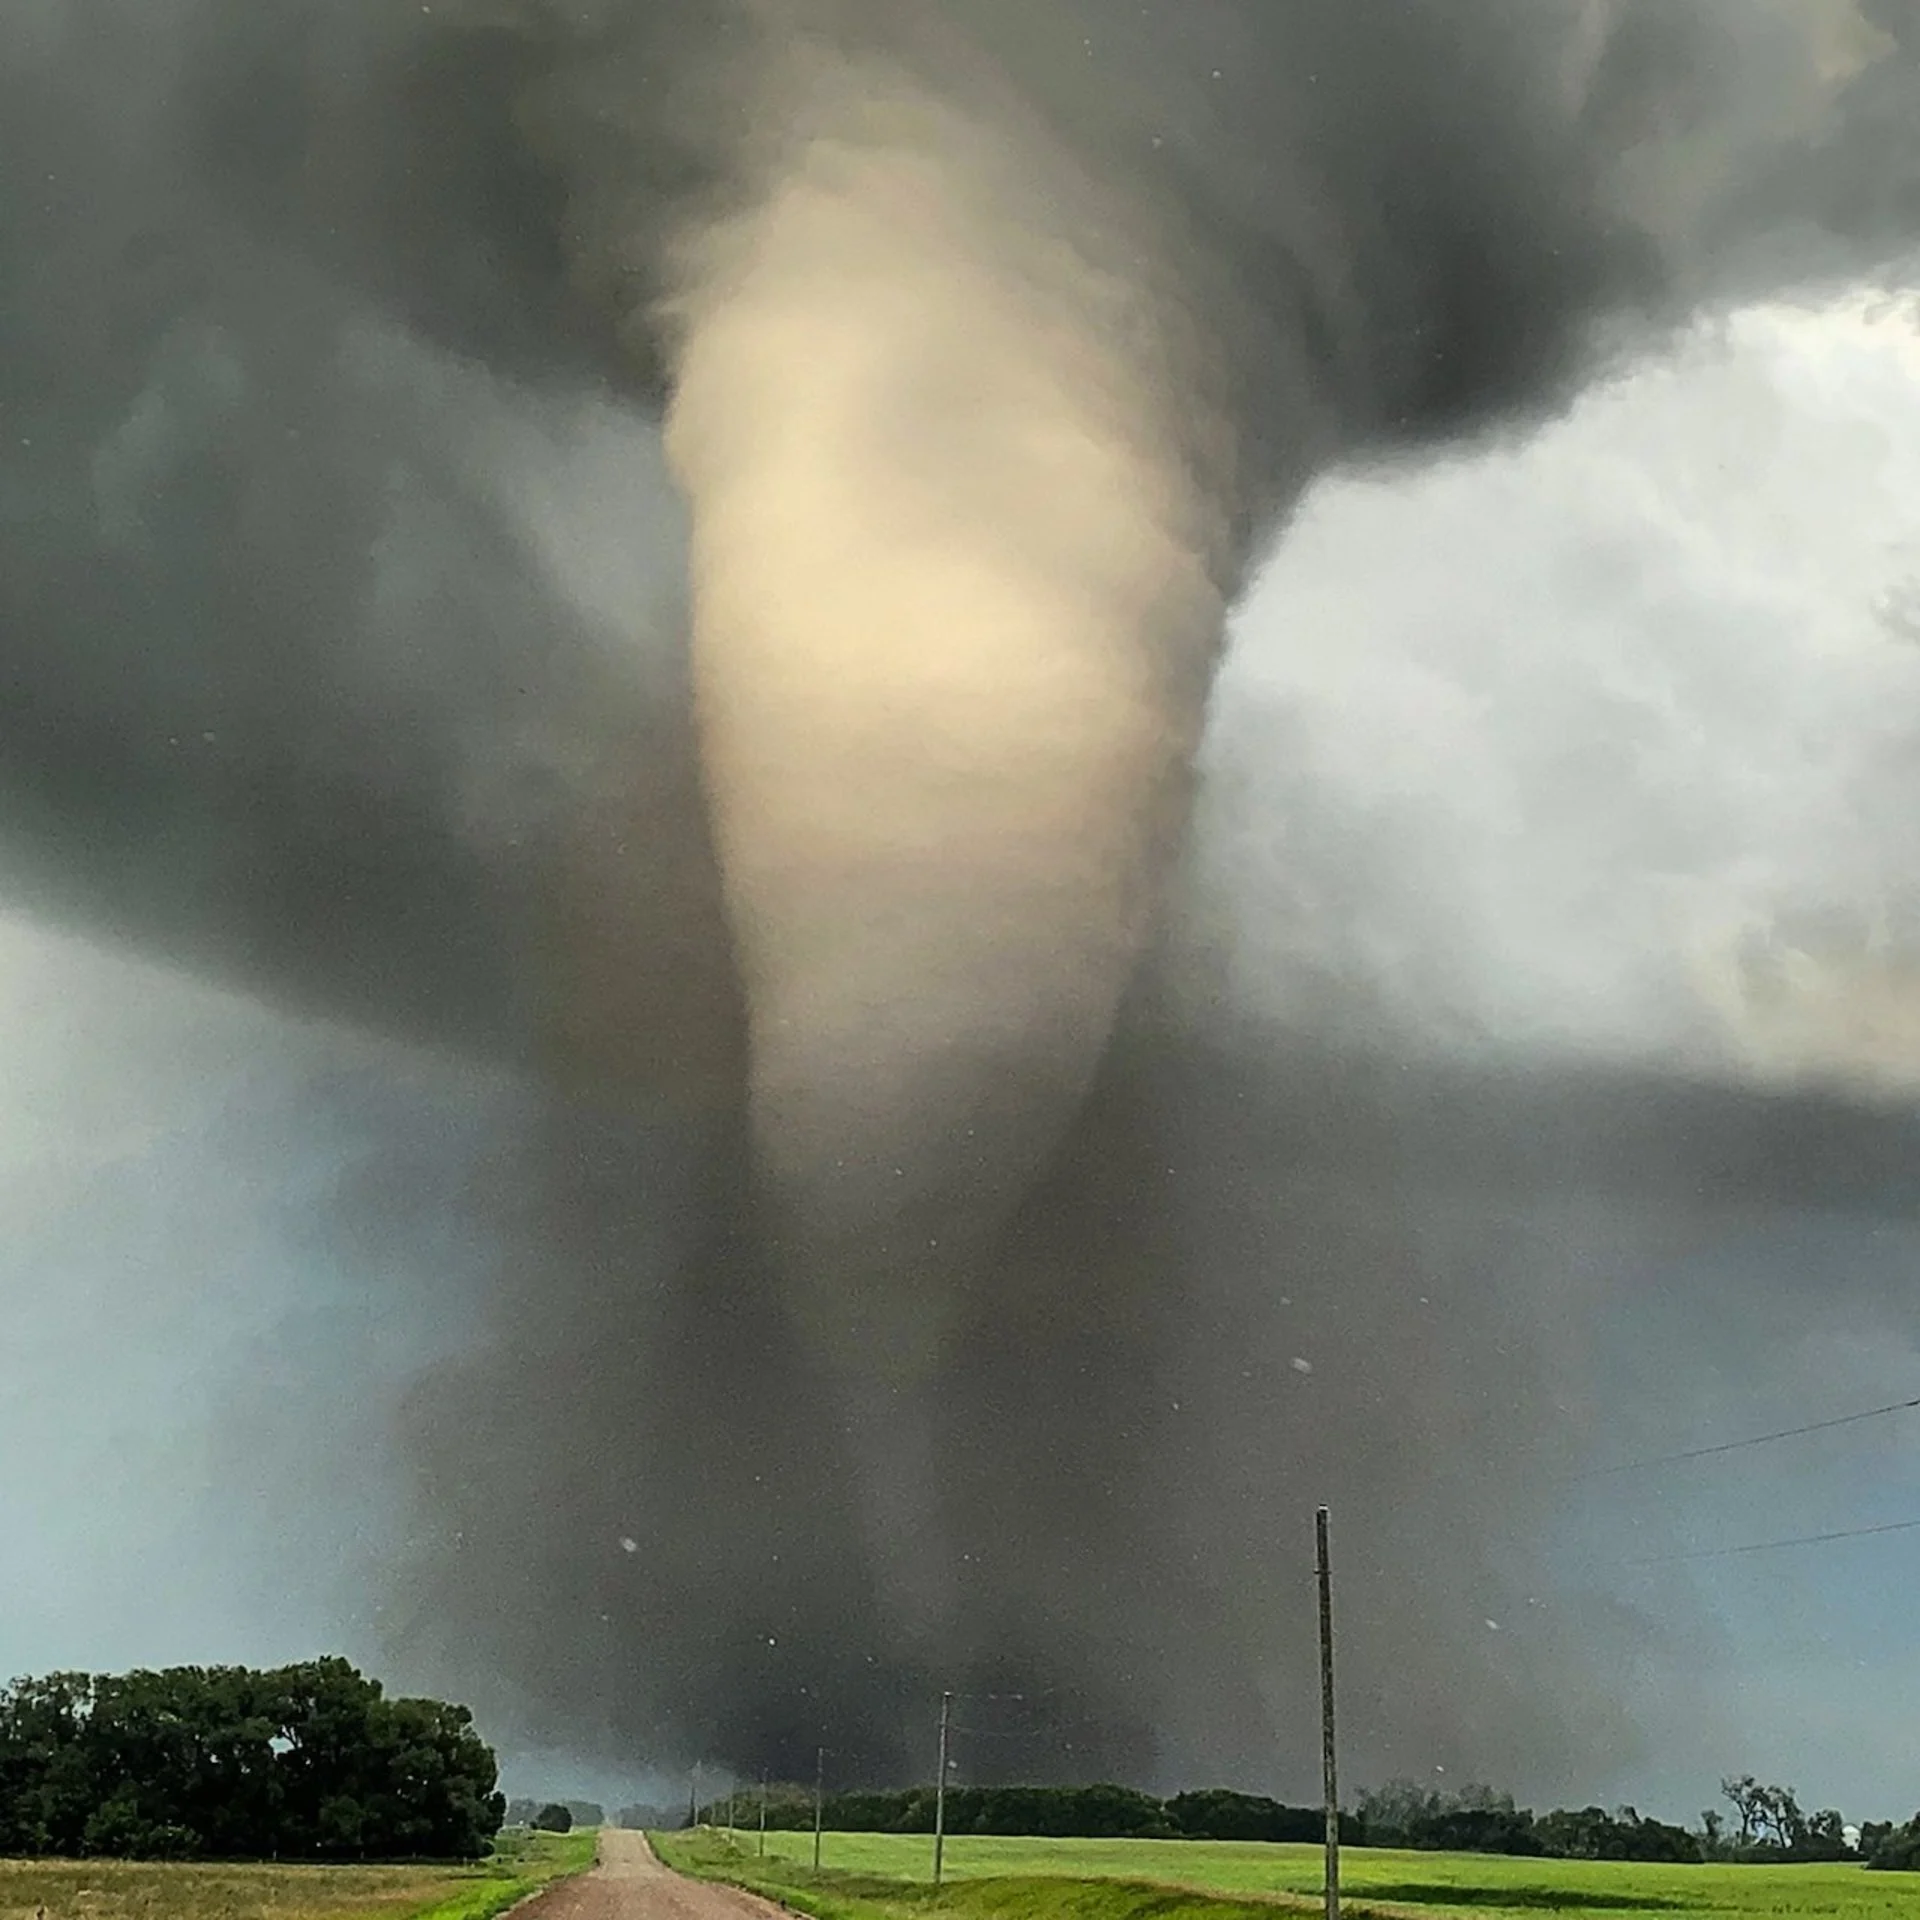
(955, 599)
(963, 528)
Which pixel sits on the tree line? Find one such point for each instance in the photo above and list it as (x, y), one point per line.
(1476, 1819)
(1767, 1823)
(558, 1816)
(305, 1762)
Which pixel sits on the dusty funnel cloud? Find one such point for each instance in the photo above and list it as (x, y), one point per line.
(955, 593)
(877, 1252)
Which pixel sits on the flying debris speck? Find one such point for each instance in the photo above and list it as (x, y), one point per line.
(628, 1544)
(1302, 1366)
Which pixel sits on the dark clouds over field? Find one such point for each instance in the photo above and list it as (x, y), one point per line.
(1538, 786)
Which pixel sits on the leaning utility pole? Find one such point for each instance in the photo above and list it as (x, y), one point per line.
(940, 1793)
(1330, 1783)
(763, 1813)
(819, 1799)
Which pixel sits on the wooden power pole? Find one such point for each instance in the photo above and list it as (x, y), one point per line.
(763, 1814)
(940, 1793)
(1329, 1772)
(819, 1799)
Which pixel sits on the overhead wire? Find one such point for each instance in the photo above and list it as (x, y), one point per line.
(1753, 1440)
(1770, 1546)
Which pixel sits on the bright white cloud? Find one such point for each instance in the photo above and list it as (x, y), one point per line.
(1573, 745)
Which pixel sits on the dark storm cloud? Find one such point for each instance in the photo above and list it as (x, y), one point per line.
(304, 685)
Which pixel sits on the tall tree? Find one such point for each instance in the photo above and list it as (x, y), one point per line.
(309, 1761)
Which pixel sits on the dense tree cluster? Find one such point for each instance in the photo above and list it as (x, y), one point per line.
(1769, 1825)
(1591, 1833)
(1463, 1820)
(643, 1815)
(308, 1762)
(1218, 1813)
(1892, 1848)
(547, 1815)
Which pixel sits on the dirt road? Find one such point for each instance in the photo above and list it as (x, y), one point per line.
(630, 1884)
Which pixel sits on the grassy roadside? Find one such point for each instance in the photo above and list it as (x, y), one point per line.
(134, 1890)
(830, 1895)
(879, 1876)
(522, 1863)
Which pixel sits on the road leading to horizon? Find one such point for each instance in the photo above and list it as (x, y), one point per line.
(630, 1884)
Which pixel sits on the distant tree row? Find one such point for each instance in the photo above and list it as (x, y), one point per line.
(1767, 1824)
(307, 1762)
(1476, 1819)
(1095, 1812)
(1078, 1812)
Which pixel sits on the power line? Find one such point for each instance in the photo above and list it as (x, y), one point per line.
(1755, 1440)
(1769, 1546)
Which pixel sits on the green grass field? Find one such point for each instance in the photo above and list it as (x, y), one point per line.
(128, 1890)
(872, 1877)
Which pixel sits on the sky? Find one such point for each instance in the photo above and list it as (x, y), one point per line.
(1616, 725)
(1607, 735)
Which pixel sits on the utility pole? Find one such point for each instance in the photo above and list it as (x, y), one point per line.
(1330, 1782)
(819, 1799)
(940, 1793)
(763, 1814)
(693, 1798)
(733, 1793)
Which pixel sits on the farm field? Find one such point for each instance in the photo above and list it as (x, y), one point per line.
(868, 1874)
(132, 1890)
